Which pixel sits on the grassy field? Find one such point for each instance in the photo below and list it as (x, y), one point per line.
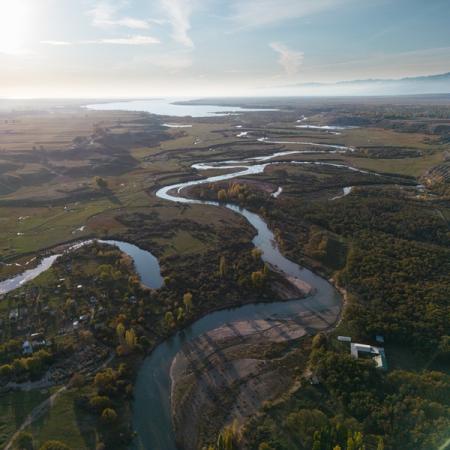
(370, 137)
(414, 167)
(26, 230)
(55, 131)
(63, 422)
(14, 408)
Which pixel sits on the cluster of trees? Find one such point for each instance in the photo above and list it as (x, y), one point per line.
(233, 192)
(382, 211)
(127, 340)
(356, 407)
(106, 403)
(322, 247)
(107, 272)
(10, 349)
(384, 152)
(402, 407)
(395, 265)
(25, 368)
(201, 282)
(171, 319)
(24, 441)
(401, 290)
(112, 387)
(213, 281)
(314, 430)
(260, 277)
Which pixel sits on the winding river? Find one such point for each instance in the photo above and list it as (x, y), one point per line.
(146, 265)
(151, 409)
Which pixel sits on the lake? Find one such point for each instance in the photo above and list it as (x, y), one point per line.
(170, 107)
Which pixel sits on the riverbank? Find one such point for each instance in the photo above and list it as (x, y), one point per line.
(156, 368)
(150, 276)
(229, 373)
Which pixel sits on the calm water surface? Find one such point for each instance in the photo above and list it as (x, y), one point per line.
(168, 107)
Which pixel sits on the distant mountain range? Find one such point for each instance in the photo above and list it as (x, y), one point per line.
(430, 84)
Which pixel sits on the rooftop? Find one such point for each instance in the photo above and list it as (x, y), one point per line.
(378, 353)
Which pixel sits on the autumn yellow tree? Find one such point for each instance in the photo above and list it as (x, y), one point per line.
(109, 416)
(187, 300)
(256, 254)
(120, 331)
(257, 278)
(228, 438)
(130, 339)
(222, 195)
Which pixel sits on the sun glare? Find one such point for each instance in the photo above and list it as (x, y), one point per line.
(13, 25)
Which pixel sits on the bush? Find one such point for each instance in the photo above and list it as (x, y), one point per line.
(109, 416)
(99, 403)
(24, 441)
(78, 380)
(54, 445)
(6, 371)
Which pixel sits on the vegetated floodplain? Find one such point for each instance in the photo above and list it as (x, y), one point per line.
(68, 174)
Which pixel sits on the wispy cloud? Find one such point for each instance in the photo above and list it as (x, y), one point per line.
(56, 43)
(179, 14)
(129, 40)
(104, 14)
(255, 13)
(290, 60)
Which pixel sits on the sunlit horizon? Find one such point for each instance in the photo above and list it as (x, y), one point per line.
(209, 48)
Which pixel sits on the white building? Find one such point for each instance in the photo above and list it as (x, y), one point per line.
(377, 353)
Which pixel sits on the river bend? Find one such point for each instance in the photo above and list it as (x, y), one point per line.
(151, 409)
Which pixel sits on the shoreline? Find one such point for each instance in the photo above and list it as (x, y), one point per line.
(295, 279)
(73, 245)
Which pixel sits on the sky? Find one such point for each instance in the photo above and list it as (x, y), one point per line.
(191, 48)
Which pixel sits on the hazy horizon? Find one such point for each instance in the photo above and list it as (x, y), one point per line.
(204, 48)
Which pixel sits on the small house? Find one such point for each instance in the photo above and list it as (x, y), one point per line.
(37, 340)
(27, 348)
(376, 353)
(14, 314)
